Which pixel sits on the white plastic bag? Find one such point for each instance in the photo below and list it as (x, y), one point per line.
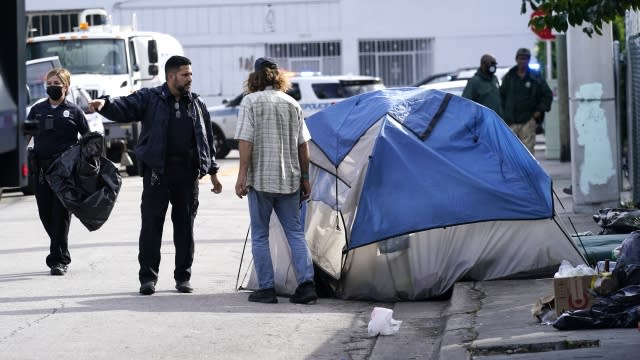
(382, 322)
(566, 269)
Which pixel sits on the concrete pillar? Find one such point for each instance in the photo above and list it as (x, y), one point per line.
(592, 108)
(563, 98)
(552, 126)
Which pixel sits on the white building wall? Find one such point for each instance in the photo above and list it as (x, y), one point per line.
(223, 37)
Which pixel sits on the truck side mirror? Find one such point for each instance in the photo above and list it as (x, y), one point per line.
(152, 51)
(153, 69)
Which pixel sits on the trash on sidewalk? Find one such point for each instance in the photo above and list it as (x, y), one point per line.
(571, 287)
(619, 309)
(617, 221)
(543, 310)
(382, 322)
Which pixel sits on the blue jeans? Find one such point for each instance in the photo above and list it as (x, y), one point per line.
(287, 208)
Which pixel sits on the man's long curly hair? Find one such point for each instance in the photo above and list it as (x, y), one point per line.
(259, 80)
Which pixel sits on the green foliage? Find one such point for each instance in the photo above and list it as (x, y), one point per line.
(590, 14)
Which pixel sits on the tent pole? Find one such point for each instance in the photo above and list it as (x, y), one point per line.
(244, 247)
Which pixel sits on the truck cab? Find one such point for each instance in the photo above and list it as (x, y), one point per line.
(111, 60)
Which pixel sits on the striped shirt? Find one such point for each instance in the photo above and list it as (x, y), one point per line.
(273, 122)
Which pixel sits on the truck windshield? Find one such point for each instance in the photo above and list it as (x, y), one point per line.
(84, 56)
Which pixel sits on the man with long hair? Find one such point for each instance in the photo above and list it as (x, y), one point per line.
(274, 175)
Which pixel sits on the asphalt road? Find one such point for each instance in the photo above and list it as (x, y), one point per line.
(95, 311)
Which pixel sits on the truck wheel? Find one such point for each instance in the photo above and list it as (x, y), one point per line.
(222, 150)
(132, 170)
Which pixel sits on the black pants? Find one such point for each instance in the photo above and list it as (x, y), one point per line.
(55, 218)
(179, 186)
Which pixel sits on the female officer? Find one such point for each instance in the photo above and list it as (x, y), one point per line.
(60, 122)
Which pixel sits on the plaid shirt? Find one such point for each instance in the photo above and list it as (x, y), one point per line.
(272, 121)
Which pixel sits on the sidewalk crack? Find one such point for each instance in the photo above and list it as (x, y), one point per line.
(31, 323)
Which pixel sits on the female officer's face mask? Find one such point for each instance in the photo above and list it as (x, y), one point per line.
(54, 92)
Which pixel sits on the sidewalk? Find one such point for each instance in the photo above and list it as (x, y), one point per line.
(492, 319)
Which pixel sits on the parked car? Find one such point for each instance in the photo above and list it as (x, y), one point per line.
(455, 87)
(313, 93)
(460, 74)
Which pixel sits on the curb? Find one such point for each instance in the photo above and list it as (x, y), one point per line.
(460, 320)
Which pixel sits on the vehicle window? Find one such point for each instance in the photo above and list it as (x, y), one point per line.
(82, 98)
(133, 56)
(345, 88)
(37, 79)
(86, 56)
(294, 91)
(236, 101)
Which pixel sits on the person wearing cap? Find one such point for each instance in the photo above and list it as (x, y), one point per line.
(526, 96)
(484, 87)
(274, 175)
(175, 149)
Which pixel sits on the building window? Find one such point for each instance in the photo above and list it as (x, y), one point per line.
(399, 62)
(321, 57)
(54, 22)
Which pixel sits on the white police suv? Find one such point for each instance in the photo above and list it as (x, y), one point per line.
(313, 93)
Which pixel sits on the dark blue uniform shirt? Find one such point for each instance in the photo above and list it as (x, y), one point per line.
(59, 127)
(180, 137)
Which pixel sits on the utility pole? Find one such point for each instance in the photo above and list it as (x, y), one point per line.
(592, 106)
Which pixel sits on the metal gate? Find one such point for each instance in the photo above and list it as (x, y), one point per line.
(318, 57)
(399, 62)
(633, 111)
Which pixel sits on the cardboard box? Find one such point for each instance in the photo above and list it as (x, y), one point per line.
(572, 293)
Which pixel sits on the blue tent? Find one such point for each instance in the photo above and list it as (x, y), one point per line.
(415, 189)
(437, 160)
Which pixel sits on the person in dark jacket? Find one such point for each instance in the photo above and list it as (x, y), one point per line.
(175, 149)
(484, 87)
(59, 123)
(526, 96)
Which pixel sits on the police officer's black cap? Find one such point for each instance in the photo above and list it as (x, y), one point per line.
(265, 62)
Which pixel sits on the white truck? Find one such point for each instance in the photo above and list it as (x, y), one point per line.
(111, 60)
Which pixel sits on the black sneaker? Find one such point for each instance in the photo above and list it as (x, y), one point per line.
(265, 296)
(148, 288)
(184, 286)
(58, 269)
(305, 294)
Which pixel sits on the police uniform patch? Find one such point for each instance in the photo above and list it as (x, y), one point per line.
(65, 113)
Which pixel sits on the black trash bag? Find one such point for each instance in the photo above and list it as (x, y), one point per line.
(627, 270)
(619, 310)
(86, 183)
(617, 221)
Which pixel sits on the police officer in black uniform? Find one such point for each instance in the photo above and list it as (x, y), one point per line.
(175, 149)
(59, 121)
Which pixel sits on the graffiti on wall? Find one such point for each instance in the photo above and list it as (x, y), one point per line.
(592, 133)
